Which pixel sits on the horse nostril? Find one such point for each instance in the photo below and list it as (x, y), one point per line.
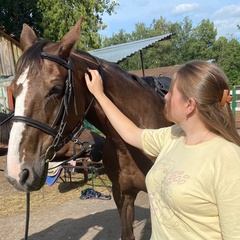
(23, 175)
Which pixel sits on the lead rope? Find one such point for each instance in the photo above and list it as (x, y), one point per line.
(27, 214)
(61, 62)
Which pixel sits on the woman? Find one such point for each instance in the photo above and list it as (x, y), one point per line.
(194, 184)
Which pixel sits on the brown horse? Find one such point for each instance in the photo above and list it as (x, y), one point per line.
(52, 99)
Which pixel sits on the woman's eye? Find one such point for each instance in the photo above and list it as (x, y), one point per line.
(56, 90)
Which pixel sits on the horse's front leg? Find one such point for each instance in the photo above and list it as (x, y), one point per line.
(125, 205)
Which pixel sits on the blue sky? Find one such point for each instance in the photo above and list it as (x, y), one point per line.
(225, 14)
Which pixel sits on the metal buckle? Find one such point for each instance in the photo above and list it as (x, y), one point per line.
(50, 154)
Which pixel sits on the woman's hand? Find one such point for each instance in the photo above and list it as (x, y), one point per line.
(127, 129)
(95, 86)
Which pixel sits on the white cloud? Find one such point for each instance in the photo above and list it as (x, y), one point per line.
(227, 28)
(183, 8)
(226, 20)
(230, 11)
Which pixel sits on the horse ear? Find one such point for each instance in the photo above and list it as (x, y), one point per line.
(27, 37)
(69, 40)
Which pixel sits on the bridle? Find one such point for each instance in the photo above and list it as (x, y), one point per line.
(62, 112)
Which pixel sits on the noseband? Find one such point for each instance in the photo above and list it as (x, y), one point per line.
(62, 112)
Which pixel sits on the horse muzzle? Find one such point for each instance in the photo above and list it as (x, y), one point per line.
(27, 178)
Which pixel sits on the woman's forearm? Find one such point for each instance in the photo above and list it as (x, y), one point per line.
(123, 125)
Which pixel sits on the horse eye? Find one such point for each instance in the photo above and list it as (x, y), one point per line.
(56, 90)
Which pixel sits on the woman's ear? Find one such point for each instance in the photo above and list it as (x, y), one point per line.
(190, 105)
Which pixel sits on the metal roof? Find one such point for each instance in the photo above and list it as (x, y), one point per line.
(118, 53)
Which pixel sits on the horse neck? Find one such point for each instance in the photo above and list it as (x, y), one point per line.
(143, 106)
(132, 98)
(82, 62)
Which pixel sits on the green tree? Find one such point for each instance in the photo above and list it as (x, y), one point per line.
(141, 32)
(181, 40)
(14, 13)
(152, 57)
(220, 50)
(121, 37)
(60, 15)
(205, 36)
(227, 56)
(156, 55)
(51, 19)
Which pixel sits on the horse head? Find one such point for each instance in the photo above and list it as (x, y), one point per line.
(44, 99)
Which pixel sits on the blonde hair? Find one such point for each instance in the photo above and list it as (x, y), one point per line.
(205, 82)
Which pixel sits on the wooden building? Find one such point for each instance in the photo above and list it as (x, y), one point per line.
(157, 72)
(9, 53)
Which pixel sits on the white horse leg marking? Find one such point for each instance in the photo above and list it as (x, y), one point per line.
(13, 161)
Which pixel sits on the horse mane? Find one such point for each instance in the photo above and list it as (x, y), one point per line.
(117, 69)
(31, 57)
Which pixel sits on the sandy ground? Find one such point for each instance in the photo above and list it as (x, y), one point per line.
(57, 213)
(76, 219)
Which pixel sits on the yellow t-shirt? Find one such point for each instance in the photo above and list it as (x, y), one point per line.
(194, 191)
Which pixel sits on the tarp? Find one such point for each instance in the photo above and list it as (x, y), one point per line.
(5, 82)
(118, 53)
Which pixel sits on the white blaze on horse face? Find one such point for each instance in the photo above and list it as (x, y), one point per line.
(13, 161)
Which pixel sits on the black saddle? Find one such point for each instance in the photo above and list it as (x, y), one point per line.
(160, 84)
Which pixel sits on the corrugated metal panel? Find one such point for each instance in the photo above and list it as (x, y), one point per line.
(118, 53)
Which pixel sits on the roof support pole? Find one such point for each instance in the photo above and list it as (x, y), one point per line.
(141, 56)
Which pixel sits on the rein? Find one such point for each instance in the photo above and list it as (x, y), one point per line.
(8, 118)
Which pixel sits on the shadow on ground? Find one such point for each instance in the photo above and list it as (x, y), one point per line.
(97, 226)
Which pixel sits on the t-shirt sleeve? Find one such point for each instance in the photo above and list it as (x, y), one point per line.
(229, 210)
(228, 195)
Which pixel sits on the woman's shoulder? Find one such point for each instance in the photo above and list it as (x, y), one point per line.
(226, 157)
(226, 152)
(173, 130)
(163, 135)
(225, 144)
(154, 140)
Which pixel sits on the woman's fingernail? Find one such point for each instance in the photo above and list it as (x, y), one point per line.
(85, 74)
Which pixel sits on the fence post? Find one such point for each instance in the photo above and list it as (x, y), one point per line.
(234, 101)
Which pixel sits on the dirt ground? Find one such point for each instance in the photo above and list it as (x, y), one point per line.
(57, 212)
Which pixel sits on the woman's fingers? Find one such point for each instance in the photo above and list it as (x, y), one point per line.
(95, 83)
